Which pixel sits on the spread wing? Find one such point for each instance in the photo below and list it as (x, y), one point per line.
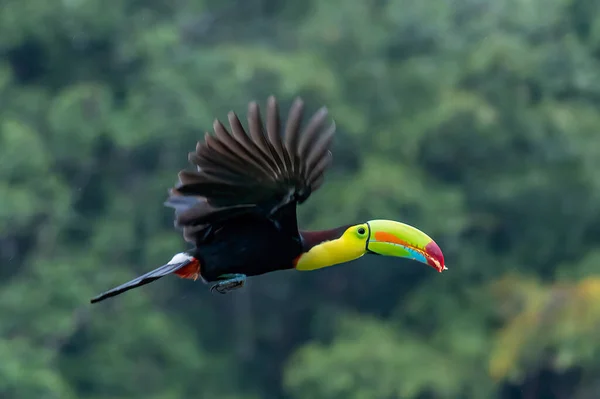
(264, 171)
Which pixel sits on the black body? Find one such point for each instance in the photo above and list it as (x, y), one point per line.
(251, 246)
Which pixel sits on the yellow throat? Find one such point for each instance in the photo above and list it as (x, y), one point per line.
(350, 246)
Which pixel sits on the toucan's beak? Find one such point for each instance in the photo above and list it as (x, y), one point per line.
(397, 239)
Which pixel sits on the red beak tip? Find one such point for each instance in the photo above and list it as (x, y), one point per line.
(436, 254)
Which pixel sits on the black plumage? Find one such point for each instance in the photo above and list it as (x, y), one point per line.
(246, 187)
(238, 208)
(263, 173)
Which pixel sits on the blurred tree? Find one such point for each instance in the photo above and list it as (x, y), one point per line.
(474, 120)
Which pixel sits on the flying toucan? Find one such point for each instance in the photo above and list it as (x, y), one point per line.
(238, 208)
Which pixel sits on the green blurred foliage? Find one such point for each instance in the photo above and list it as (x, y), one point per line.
(474, 120)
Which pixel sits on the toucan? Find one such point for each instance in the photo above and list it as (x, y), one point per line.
(237, 209)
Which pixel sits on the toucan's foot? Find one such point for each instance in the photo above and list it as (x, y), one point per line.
(230, 282)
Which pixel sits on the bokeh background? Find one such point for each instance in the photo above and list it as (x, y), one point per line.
(475, 120)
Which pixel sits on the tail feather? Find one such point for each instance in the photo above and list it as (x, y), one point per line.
(147, 278)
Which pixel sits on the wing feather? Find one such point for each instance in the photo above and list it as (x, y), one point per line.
(292, 136)
(235, 149)
(259, 138)
(250, 148)
(319, 150)
(258, 170)
(273, 125)
(311, 132)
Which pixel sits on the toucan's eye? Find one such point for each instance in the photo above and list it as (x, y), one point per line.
(361, 231)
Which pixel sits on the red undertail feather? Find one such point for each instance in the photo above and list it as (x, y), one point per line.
(190, 271)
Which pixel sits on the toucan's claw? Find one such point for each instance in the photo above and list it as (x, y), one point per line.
(232, 282)
(217, 288)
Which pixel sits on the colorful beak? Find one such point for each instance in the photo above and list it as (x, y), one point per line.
(397, 239)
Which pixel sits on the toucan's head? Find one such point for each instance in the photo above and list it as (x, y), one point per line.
(380, 237)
